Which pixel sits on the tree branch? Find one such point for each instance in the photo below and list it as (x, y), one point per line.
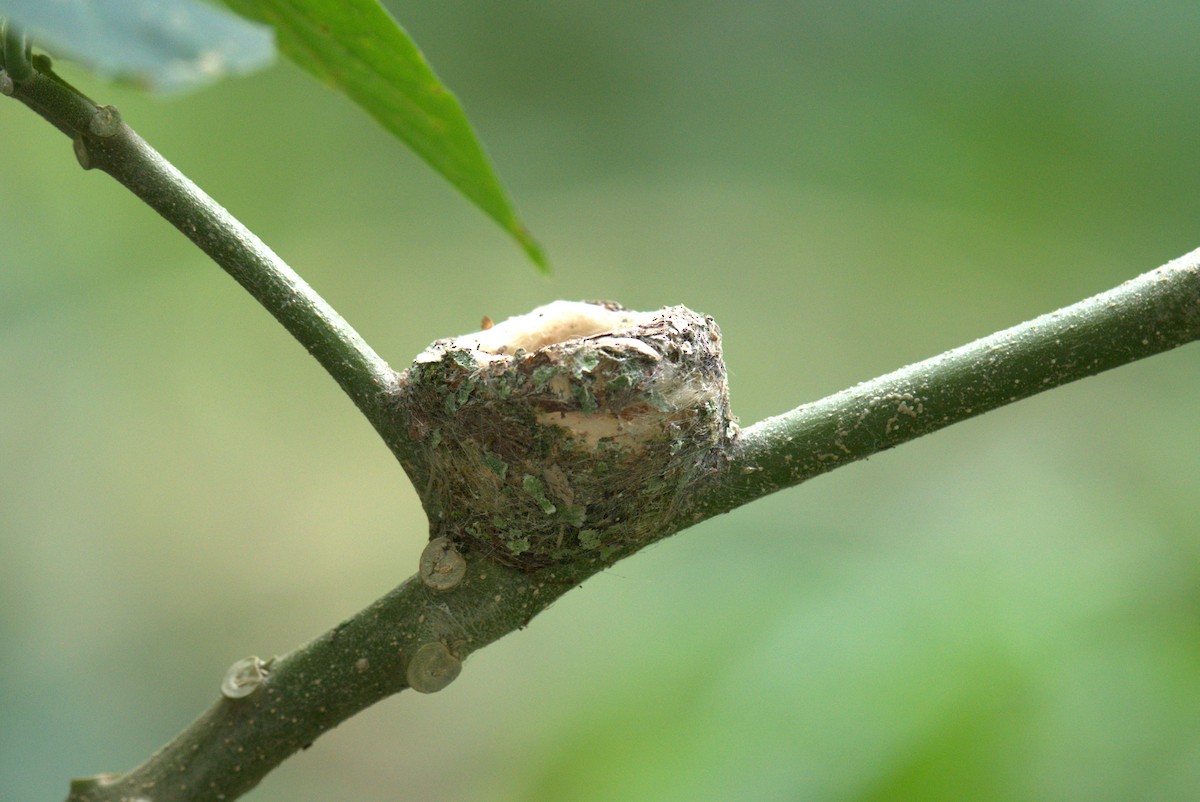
(238, 741)
(105, 143)
(1154, 312)
(370, 656)
(417, 635)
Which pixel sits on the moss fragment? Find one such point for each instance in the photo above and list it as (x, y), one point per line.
(498, 466)
(533, 486)
(589, 539)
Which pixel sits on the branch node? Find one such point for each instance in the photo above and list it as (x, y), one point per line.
(83, 788)
(81, 152)
(106, 122)
(442, 567)
(432, 668)
(245, 677)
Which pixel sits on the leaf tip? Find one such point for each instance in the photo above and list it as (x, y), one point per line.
(532, 249)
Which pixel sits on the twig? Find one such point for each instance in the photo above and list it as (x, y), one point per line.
(1152, 313)
(102, 141)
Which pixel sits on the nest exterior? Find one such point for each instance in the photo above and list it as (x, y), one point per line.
(568, 444)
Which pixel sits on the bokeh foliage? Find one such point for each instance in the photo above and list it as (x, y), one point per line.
(354, 46)
(162, 45)
(1007, 609)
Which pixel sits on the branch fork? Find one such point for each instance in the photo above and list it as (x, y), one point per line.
(544, 449)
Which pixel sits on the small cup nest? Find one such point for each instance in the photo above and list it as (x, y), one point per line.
(577, 432)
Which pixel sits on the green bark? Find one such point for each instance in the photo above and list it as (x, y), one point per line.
(1152, 313)
(103, 142)
(235, 743)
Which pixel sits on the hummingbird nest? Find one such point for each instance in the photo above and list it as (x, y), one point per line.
(577, 432)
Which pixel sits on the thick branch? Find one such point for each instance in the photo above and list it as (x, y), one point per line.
(238, 741)
(103, 142)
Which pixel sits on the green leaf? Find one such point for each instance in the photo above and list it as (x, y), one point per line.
(163, 45)
(356, 46)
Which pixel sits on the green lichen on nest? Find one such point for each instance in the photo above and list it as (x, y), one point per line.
(582, 448)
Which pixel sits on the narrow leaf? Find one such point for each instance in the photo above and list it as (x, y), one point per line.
(356, 46)
(163, 45)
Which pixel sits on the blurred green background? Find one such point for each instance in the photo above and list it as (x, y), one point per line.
(1009, 609)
